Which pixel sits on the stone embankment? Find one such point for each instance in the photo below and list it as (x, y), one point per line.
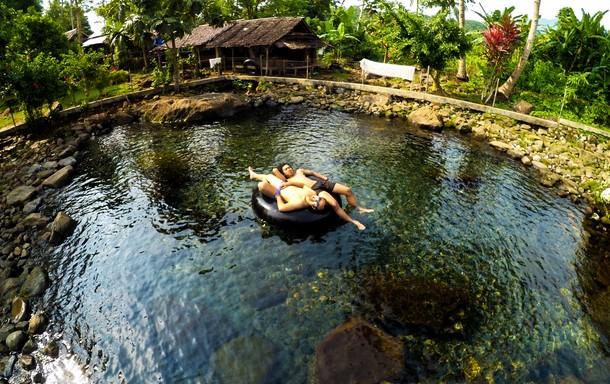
(34, 168)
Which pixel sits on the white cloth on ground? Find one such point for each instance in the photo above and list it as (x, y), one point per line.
(406, 72)
(215, 61)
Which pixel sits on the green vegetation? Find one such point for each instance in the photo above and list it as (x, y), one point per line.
(566, 75)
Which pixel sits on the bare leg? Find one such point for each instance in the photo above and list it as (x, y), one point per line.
(351, 198)
(254, 175)
(339, 211)
(267, 189)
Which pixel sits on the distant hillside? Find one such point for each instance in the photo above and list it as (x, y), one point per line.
(473, 25)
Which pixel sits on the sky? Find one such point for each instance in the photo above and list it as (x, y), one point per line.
(548, 9)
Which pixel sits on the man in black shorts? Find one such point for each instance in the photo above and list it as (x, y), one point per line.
(304, 177)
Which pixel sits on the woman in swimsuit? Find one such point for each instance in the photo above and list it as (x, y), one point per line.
(299, 178)
(291, 198)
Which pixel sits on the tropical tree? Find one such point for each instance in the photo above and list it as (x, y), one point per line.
(65, 14)
(462, 74)
(507, 88)
(35, 34)
(432, 42)
(23, 5)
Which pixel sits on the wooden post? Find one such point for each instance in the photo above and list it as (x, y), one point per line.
(307, 65)
(232, 61)
(217, 51)
(495, 93)
(266, 61)
(284, 67)
(260, 64)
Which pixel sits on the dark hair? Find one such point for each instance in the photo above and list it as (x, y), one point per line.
(280, 168)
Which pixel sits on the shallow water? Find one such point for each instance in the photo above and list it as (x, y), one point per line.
(169, 273)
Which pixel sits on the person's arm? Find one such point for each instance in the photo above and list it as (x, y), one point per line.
(308, 172)
(278, 174)
(293, 183)
(339, 211)
(286, 207)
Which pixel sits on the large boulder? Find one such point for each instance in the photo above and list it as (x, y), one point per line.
(426, 118)
(193, 108)
(59, 178)
(20, 195)
(375, 99)
(358, 352)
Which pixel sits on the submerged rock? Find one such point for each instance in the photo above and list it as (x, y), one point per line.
(16, 340)
(244, 360)
(193, 108)
(357, 352)
(413, 301)
(61, 227)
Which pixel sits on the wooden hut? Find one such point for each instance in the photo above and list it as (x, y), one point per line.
(272, 45)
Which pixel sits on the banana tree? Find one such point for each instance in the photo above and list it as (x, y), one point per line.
(337, 37)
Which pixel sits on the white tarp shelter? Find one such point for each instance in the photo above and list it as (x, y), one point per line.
(406, 72)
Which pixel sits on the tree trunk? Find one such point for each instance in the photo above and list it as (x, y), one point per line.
(437, 81)
(507, 88)
(176, 70)
(144, 56)
(461, 73)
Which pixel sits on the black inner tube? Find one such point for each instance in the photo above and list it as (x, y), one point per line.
(266, 208)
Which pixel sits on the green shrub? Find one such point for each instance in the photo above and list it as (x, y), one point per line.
(118, 77)
(161, 76)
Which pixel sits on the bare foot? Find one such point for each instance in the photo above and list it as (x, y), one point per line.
(359, 225)
(252, 173)
(364, 210)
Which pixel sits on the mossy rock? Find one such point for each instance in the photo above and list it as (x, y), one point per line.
(245, 359)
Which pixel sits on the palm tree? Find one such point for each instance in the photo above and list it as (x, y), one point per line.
(137, 27)
(507, 88)
(461, 73)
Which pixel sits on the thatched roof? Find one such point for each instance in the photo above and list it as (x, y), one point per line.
(100, 40)
(288, 32)
(199, 36)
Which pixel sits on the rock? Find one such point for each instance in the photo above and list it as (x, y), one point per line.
(27, 362)
(605, 195)
(375, 99)
(32, 206)
(357, 352)
(122, 118)
(524, 107)
(38, 377)
(549, 179)
(6, 330)
(67, 161)
(35, 283)
(193, 108)
(539, 165)
(59, 178)
(37, 324)
(19, 309)
(271, 103)
(426, 118)
(7, 364)
(9, 285)
(500, 145)
(55, 108)
(29, 346)
(68, 151)
(16, 340)
(61, 227)
(296, 100)
(33, 169)
(478, 131)
(51, 350)
(244, 360)
(35, 220)
(49, 165)
(20, 195)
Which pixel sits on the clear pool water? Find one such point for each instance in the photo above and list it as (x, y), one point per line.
(170, 276)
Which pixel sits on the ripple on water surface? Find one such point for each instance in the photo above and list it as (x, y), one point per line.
(170, 276)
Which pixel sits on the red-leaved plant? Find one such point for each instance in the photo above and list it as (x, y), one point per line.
(501, 39)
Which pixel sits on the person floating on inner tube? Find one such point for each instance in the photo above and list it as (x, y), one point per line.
(299, 178)
(292, 198)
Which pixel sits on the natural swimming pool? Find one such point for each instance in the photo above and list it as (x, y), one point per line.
(170, 276)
